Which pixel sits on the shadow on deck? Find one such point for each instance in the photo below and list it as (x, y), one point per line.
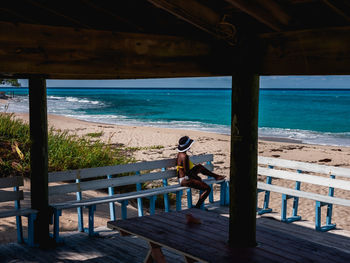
(109, 246)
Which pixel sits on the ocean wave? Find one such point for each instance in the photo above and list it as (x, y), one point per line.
(126, 121)
(84, 100)
(75, 107)
(307, 136)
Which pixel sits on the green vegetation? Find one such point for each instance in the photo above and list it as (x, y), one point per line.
(153, 147)
(65, 151)
(95, 134)
(12, 82)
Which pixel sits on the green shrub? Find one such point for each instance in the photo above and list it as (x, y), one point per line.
(65, 151)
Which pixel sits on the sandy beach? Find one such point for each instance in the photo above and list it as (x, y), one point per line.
(217, 144)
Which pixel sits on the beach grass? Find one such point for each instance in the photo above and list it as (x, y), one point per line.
(152, 147)
(95, 134)
(66, 151)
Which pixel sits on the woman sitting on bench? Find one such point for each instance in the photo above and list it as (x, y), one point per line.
(187, 172)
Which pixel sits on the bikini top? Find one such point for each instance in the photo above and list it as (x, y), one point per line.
(179, 166)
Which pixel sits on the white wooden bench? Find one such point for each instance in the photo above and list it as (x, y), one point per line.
(106, 178)
(10, 191)
(299, 173)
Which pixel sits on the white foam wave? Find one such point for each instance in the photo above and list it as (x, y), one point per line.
(126, 121)
(84, 100)
(307, 136)
(70, 106)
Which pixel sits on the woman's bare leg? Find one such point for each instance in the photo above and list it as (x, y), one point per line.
(201, 169)
(200, 185)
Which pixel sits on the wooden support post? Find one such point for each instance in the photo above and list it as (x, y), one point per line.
(39, 158)
(243, 172)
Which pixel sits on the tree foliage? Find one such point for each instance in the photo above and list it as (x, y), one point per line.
(12, 82)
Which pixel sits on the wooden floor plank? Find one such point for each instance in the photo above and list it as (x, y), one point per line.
(152, 228)
(330, 239)
(306, 249)
(279, 242)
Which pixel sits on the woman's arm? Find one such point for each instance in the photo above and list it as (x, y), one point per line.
(183, 161)
(186, 164)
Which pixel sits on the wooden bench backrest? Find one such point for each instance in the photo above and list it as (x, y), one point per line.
(7, 182)
(101, 183)
(305, 178)
(305, 167)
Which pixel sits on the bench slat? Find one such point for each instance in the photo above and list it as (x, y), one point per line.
(105, 183)
(119, 181)
(19, 212)
(6, 196)
(11, 181)
(308, 195)
(307, 167)
(312, 179)
(119, 169)
(126, 196)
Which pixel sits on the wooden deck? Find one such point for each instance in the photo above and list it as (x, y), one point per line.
(110, 246)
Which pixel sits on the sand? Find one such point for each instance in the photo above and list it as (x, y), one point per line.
(217, 144)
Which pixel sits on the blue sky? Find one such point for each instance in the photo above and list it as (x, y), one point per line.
(337, 82)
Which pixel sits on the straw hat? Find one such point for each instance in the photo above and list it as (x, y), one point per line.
(185, 143)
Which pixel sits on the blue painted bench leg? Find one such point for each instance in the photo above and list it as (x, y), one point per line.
(19, 229)
(211, 195)
(152, 200)
(80, 219)
(189, 198)
(18, 219)
(111, 204)
(266, 208)
(139, 200)
(79, 210)
(284, 218)
(222, 193)
(124, 209)
(56, 225)
(166, 196)
(90, 229)
(227, 193)
(31, 219)
(328, 225)
(178, 200)
(202, 205)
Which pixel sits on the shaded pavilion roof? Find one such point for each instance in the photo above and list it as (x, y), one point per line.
(87, 39)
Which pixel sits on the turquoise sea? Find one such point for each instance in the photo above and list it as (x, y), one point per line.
(311, 116)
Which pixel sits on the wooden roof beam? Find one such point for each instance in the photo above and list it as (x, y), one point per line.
(267, 12)
(199, 16)
(323, 51)
(27, 50)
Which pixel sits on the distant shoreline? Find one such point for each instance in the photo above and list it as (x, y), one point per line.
(279, 139)
(179, 88)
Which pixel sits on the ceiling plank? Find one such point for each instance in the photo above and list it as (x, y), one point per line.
(340, 8)
(21, 17)
(97, 6)
(267, 12)
(56, 13)
(90, 54)
(199, 16)
(323, 51)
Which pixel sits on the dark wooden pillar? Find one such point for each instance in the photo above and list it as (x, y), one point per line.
(39, 158)
(243, 173)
